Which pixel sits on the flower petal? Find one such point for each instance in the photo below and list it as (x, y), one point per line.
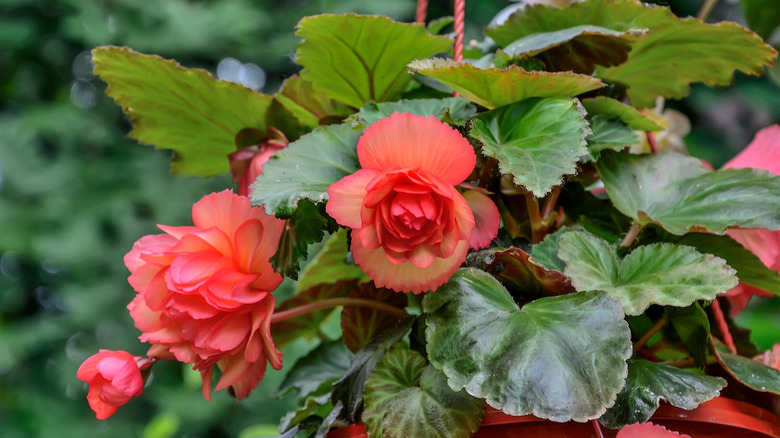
(405, 140)
(486, 218)
(762, 153)
(345, 198)
(406, 277)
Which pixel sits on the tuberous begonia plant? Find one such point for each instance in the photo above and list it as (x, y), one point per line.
(501, 231)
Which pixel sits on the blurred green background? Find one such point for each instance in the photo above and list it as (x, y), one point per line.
(76, 192)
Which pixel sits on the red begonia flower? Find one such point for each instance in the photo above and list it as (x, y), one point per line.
(204, 292)
(114, 377)
(762, 153)
(411, 227)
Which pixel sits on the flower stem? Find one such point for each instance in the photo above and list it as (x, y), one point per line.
(597, 427)
(705, 10)
(652, 142)
(653, 330)
(335, 302)
(535, 218)
(549, 203)
(723, 326)
(636, 227)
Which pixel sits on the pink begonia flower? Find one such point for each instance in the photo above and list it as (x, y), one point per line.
(246, 164)
(770, 358)
(762, 153)
(204, 292)
(411, 228)
(648, 430)
(114, 377)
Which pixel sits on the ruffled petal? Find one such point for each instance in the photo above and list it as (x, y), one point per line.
(487, 219)
(405, 140)
(406, 277)
(345, 198)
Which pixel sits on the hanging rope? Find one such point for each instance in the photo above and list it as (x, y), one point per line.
(422, 9)
(460, 17)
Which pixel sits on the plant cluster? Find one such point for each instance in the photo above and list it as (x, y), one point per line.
(528, 245)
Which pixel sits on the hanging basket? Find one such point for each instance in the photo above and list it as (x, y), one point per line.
(717, 418)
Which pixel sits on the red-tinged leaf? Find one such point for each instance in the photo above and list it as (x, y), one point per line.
(311, 107)
(494, 87)
(521, 272)
(361, 324)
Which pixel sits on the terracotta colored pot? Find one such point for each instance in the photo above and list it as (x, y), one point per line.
(717, 418)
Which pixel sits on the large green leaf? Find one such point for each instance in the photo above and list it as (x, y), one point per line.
(751, 373)
(493, 87)
(679, 193)
(609, 133)
(358, 58)
(306, 168)
(561, 358)
(537, 141)
(311, 107)
(750, 269)
(405, 397)
(329, 361)
(578, 49)
(648, 383)
(330, 265)
(660, 273)
(629, 115)
(676, 52)
(185, 110)
(349, 389)
(456, 110)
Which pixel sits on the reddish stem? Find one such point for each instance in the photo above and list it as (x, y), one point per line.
(651, 141)
(549, 203)
(597, 426)
(460, 19)
(723, 326)
(636, 227)
(653, 330)
(535, 217)
(335, 302)
(422, 10)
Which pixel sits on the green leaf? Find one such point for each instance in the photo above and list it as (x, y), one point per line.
(493, 87)
(537, 141)
(436, 25)
(676, 52)
(648, 383)
(546, 251)
(750, 269)
(185, 110)
(693, 328)
(406, 397)
(361, 324)
(309, 415)
(358, 58)
(456, 110)
(763, 16)
(520, 273)
(749, 372)
(660, 273)
(311, 107)
(578, 49)
(308, 224)
(679, 193)
(328, 362)
(330, 265)
(609, 133)
(306, 168)
(627, 114)
(562, 357)
(349, 389)
(308, 325)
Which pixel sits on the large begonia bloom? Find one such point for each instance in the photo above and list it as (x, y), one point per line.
(411, 227)
(762, 153)
(204, 292)
(114, 377)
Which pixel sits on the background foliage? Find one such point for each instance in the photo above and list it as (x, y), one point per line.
(76, 192)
